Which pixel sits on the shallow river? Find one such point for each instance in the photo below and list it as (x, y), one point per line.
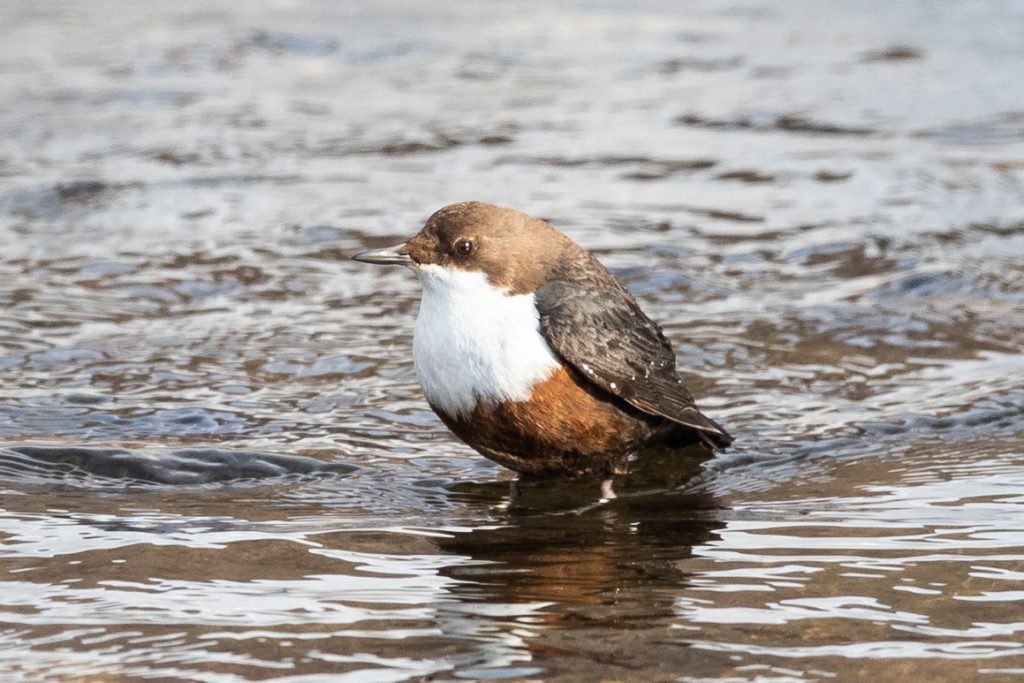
(215, 461)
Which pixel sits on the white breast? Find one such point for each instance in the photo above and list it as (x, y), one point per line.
(473, 342)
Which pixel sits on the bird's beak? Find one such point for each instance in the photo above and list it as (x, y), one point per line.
(389, 256)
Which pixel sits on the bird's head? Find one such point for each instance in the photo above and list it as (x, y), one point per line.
(513, 250)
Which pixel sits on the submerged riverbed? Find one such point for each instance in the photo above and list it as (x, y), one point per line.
(215, 461)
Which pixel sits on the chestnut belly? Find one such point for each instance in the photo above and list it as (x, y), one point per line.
(567, 427)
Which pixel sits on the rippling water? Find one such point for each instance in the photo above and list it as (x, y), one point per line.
(215, 462)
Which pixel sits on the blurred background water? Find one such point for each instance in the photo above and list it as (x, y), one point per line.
(215, 462)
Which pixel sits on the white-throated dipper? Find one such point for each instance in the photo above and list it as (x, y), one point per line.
(531, 352)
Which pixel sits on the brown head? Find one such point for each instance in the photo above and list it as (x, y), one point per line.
(514, 250)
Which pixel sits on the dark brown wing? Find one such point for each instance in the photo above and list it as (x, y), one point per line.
(602, 332)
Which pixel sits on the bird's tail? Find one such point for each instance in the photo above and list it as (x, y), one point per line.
(707, 430)
(715, 438)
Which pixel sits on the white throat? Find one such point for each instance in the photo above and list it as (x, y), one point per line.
(473, 342)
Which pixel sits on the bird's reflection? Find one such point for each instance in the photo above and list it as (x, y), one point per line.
(555, 542)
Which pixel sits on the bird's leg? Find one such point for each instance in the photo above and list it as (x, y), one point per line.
(513, 493)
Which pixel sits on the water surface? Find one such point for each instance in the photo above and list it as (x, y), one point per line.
(215, 462)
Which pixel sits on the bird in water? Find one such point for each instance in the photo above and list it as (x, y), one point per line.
(531, 352)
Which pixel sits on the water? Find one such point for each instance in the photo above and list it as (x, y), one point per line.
(215, 463)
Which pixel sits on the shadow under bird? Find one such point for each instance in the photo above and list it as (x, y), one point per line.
(531, 352)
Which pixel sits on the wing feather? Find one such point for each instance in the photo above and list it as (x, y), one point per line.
(623, 351)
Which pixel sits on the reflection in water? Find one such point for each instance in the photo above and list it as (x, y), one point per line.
(821, 201)
(557, 543)
(596, 576)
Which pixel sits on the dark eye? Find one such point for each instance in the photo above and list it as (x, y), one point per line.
(464, 247)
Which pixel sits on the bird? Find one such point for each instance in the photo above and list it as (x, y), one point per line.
(531, 352)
